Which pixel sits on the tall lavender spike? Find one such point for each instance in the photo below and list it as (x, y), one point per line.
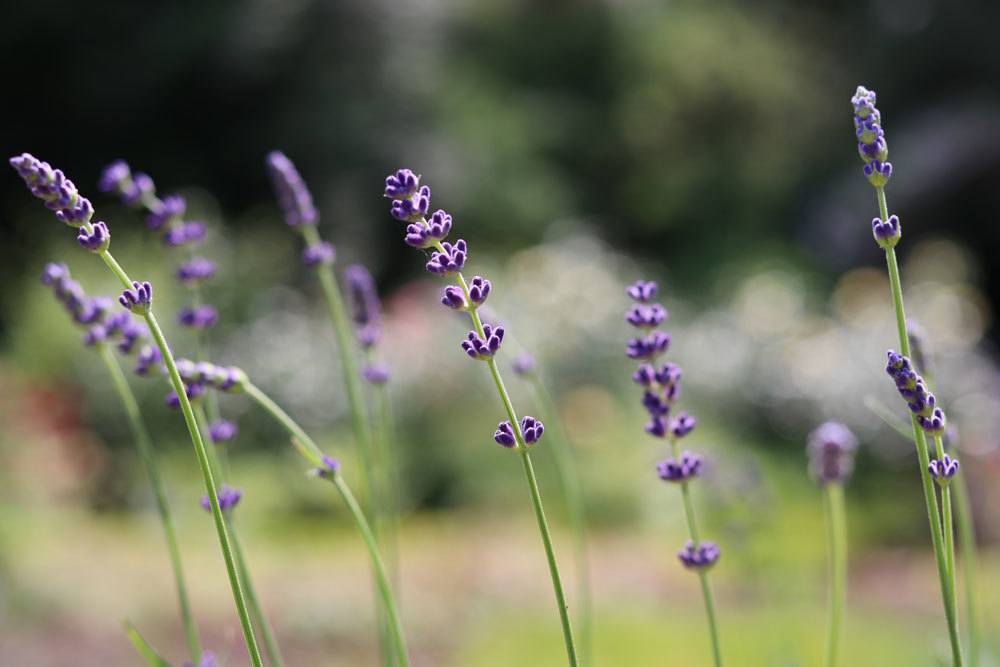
(293, 196)
(51, 186)
(831, 450)
(913, 389)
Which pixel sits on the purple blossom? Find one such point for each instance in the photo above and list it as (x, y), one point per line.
(483, 347)
(97, 239)
(648, 347)
(682, 424)
(453, 297)
(642, 291)
(887, 233)
(831, 450)
(222, 430)
(687, 467)
(450, 260)
(524, 364)
(878, 173)
(329, 469)
(377, 374)
(54, 274)
(646, 316)
(479, 289)
(654, 404)
(134, 190)
(131, 332)
(414, 207)
(657, 427)
(424, 234)
(402, 184)
(870, 137)
(228, 498)
(943, 470)
(532, 429)
(293, 196)
(316, 255)
(913, 389)
(148, 357)
(114, 177)
(193, 391)
(699, 557)
(223, 378)
(195, 271)
(166, 211)
(139, 299)
(51, 186)
(87, 311)
(185, 233)
(198, 317)
(94, 335)
(504, 434)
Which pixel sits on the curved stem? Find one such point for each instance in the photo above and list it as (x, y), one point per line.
(836, 525)
(312, 453)
(706, 589)
(570, 477)
(199, 448)
(933, 516)
(144, 447)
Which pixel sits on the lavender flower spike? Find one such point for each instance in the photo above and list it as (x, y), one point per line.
(138, 299)
(293, 196)
(57, 191)
(831, 450)
(228, 499)
(688, 466)
(481, 348)
(699, 557)
(913, 389)
(944, 470)
(329, 469)
(531, 428)
(642, 291)
(316, 255)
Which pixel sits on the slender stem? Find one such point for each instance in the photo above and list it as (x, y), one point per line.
(199, 448)
(256, 609)
(933, 516)
(947, 528)
(836, 525)
(706, 589)
(386, 519)
(144, 447)
(967, 540)
(570, 477)
(312, 453)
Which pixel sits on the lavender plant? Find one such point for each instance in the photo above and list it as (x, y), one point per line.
(301, 215)
(428, 231)
(831, 450)
(166, 216)
(525, 366)
(926, 418)
(102, 329)
(61, 196)
(662, 388)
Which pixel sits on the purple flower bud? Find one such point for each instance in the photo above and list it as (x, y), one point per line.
(864, 102)
(687, 467)
(139, 299)
(642, 290)
(148, 357)
(414, 208)
(645, 375)
(377, 374)
(222, 431)
(51, 186)
(669, 378)
(944, 470)
(363, 295)
(654, 404)
(699, 557)
(198, 317)
(831, 450)
(402, 184)
(682, 424)
(878, 173)
(115, 177)
(196, 271)
(651, 346)
(451, 260)
(532, 429)
(138, 190)
(316, 255)
(90, 311)
(504, 434)
(933, 424)
(479, 289)
(657, 427)
(524, 364)
(887, 233)
(646, 316)
(94, 335)
(329, 469)
(166, 211)
(54, 273)
(228, 499)
(483, 347)
(454, 298)
(185, 233)
(423, 234)
(293, 196)
(193, 391)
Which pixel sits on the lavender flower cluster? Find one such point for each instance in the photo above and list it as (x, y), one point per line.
(366, 313)
(167, 216)
(914, 391)
(831, 450)
(661, 388)
(874, 153)
(297, 206)
(424, 230)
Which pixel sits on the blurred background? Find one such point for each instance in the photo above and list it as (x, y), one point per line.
(580, 146)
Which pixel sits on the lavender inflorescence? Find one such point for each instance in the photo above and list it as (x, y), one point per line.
(699, 556)
(831, 450)
(913, 389)
(228, 497)
(222, 430)
(366, 312)
(687, 466)
(293, 196)
(51, 186)
(943, 470)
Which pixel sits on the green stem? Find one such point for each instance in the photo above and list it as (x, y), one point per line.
(967, 539)
(312, 453)
(144, 447)
(200, 451)
(836, 525)
(570, 477)
(256, 609)
(706, 589)
(933, 516)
